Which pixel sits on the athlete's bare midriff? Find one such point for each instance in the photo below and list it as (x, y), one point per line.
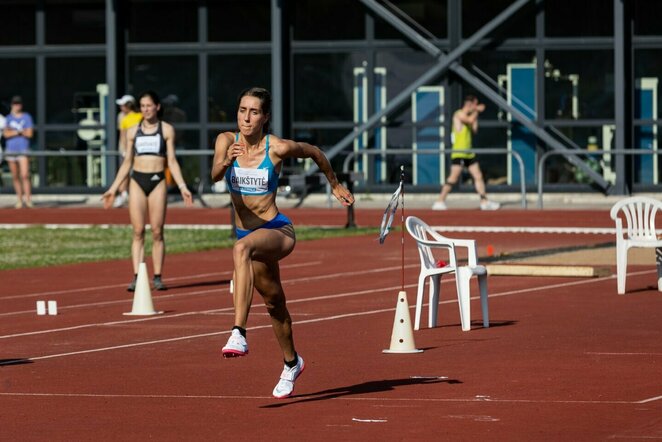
(149, 163)
(254, 210)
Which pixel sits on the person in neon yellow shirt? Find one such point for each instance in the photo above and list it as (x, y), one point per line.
(129, 117)
(465, 124)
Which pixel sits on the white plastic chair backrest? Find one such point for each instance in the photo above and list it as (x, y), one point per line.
(420, 231)
(640, 213)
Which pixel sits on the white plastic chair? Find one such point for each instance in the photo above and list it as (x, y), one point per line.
(639, 213)
(427, 239)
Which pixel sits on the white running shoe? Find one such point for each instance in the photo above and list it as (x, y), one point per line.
(121, 199)
(489, 205)
(236, 346)
(439, 205)
(285, 385)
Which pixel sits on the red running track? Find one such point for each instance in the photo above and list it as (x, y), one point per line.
(564, 358)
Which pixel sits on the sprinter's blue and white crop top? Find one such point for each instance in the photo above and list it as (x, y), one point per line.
(259, 181)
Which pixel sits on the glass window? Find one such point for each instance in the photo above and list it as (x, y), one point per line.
(647, 17)
(492, 68)
(18, 78)
(18, 23)
(255, 20)
(324, 139)
(558, 170)
(579, 84)
(402, 68)
(71, 88)
(328, 20)
(187, 139)
(78, 22)
(190, 164)
(477, 13)
(228, 76)
(157, 21)
(431, 16)
(173, 78)
(323, 86)
(493, 166)
(64, 171)
(648, 64)
(579, 18)
(647, 100)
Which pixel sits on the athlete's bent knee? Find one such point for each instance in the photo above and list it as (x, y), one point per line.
(241, 251)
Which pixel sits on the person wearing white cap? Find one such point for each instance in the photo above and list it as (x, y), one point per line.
(127, 118)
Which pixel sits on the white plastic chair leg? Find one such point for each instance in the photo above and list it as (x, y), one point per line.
(658, 262)
(433, 307)
(482, 285)
(621, 268)
(463, 296)
(419, 301)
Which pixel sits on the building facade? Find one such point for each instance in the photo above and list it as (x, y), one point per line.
(354, 77)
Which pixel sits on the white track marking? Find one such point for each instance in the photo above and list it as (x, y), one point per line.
(651, 399)
(54, 226)
(118, 301)
(307, 321)
(285, 282)
(108, 324)
(484, 229)
(528, 229)
(604, 353)
(325, 297)
(344, 398)
(176, 278)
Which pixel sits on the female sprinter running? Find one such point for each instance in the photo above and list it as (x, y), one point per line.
(250, 160)
(150, 148)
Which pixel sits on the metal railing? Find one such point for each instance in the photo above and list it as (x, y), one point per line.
(546, 155)
(489, 151)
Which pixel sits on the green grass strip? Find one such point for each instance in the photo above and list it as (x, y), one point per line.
(40, 247)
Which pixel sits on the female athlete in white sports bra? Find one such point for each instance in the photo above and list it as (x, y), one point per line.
(150, 148)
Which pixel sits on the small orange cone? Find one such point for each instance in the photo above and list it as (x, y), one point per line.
(490, 250)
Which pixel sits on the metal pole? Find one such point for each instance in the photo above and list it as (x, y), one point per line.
(622, 94)
(277, 66)
(111, 81)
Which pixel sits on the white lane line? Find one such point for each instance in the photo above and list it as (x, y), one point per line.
(604, 353)
(528, 229)
(203, 312)
(108, 324)
(325, 297)
(119, 301)
(652, 399)
(294, 398)
(485, 229)
(176, 278)
(284, 282)
(54, 226)
(308, 321)
(318, 298)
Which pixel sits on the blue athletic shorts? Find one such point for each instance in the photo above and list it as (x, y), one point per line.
(278, 221)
